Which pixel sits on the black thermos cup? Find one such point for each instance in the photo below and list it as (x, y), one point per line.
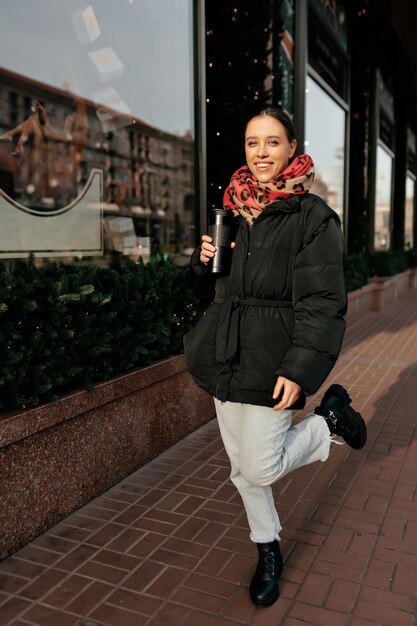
(222, 232)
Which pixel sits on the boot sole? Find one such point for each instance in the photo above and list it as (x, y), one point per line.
(339, 391)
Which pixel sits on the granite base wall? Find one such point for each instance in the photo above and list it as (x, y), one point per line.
(378, 294)
(55, 458)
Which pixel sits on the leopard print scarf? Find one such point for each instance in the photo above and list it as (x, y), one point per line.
(248, 197)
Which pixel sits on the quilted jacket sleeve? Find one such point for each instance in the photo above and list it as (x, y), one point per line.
(319, 299)
(202, 281)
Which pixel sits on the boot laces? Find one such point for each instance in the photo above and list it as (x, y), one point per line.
(332, 417)
(268, 562)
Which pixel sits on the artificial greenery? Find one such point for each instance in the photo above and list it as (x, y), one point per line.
(63, 327)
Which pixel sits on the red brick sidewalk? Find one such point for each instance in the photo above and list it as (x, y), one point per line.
(169, 545)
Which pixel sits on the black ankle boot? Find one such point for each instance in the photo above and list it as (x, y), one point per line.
(264, 588)
(341, 418)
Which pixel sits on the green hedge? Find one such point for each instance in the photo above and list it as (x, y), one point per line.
(360, 266)
(63, 327)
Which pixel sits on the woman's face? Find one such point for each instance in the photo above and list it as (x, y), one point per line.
(267, 147)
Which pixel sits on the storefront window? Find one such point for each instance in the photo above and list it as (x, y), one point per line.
(410, 185)
(96, 128)
(325, 142)
(383, 199)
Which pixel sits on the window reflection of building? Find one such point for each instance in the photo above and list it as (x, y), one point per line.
(383, 199)
(325, 140)
(410, 184)
(50, 141)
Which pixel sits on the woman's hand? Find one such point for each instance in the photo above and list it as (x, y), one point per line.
(208, 250)
(290, 393)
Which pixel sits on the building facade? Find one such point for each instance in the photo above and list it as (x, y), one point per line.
(346, 72)
(121, 123)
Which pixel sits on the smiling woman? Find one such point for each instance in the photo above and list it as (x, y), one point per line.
(104, 87)
(273, 331)
(268, 147)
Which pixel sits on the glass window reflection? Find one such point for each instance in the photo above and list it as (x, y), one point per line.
(409, 211)
(325, 142)
(383, 199)
(102, 89)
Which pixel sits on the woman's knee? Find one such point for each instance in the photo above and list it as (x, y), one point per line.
(259, 474)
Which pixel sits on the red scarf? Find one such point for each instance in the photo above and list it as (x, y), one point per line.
(248, 197)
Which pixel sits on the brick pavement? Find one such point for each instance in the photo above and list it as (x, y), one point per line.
(169, 546)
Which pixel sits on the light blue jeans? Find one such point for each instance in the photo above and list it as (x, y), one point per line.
(263, 447)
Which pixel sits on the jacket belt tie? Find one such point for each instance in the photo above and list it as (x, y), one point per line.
(227, 340)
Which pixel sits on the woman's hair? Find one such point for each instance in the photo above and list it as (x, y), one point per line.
(279, 115)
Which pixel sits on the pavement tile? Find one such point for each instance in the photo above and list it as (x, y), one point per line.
(18, 567)
(147, 545)
(99, 571)
(315, 589)
(126, 540)
(132, 601)
(317, 615)
(48, 616)
(273, 615)
(207, 584)
(88, 599)
(130, 515)
(342, 596)
(43, 584)
(57, 544)
(213, 562)
(380, 574)
(105, 535)
(164, 584)
(11, 584)
(383, 614)
(199, 600)
(240, 607)
(190, 528)
(76, 558)
(186, 547)
(170, 615)
(37, 555)
(66, 591)
(143, 576)
(116, 616)
(12, 608)
(338, 538)
(170, 546)
(196, 618)
(168, 557)
(116, 559)
(237, 568)
(405, 580)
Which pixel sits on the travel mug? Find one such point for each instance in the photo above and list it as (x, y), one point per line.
(222, 233)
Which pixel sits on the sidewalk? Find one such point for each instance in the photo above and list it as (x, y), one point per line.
(169, 545)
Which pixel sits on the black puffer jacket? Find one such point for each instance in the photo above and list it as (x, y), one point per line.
(280, 310)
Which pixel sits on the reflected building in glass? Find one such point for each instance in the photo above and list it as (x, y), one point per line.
(92, 123)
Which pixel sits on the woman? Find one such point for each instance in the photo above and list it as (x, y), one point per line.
(274, 331)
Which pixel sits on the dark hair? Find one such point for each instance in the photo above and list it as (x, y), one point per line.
(281, 117)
